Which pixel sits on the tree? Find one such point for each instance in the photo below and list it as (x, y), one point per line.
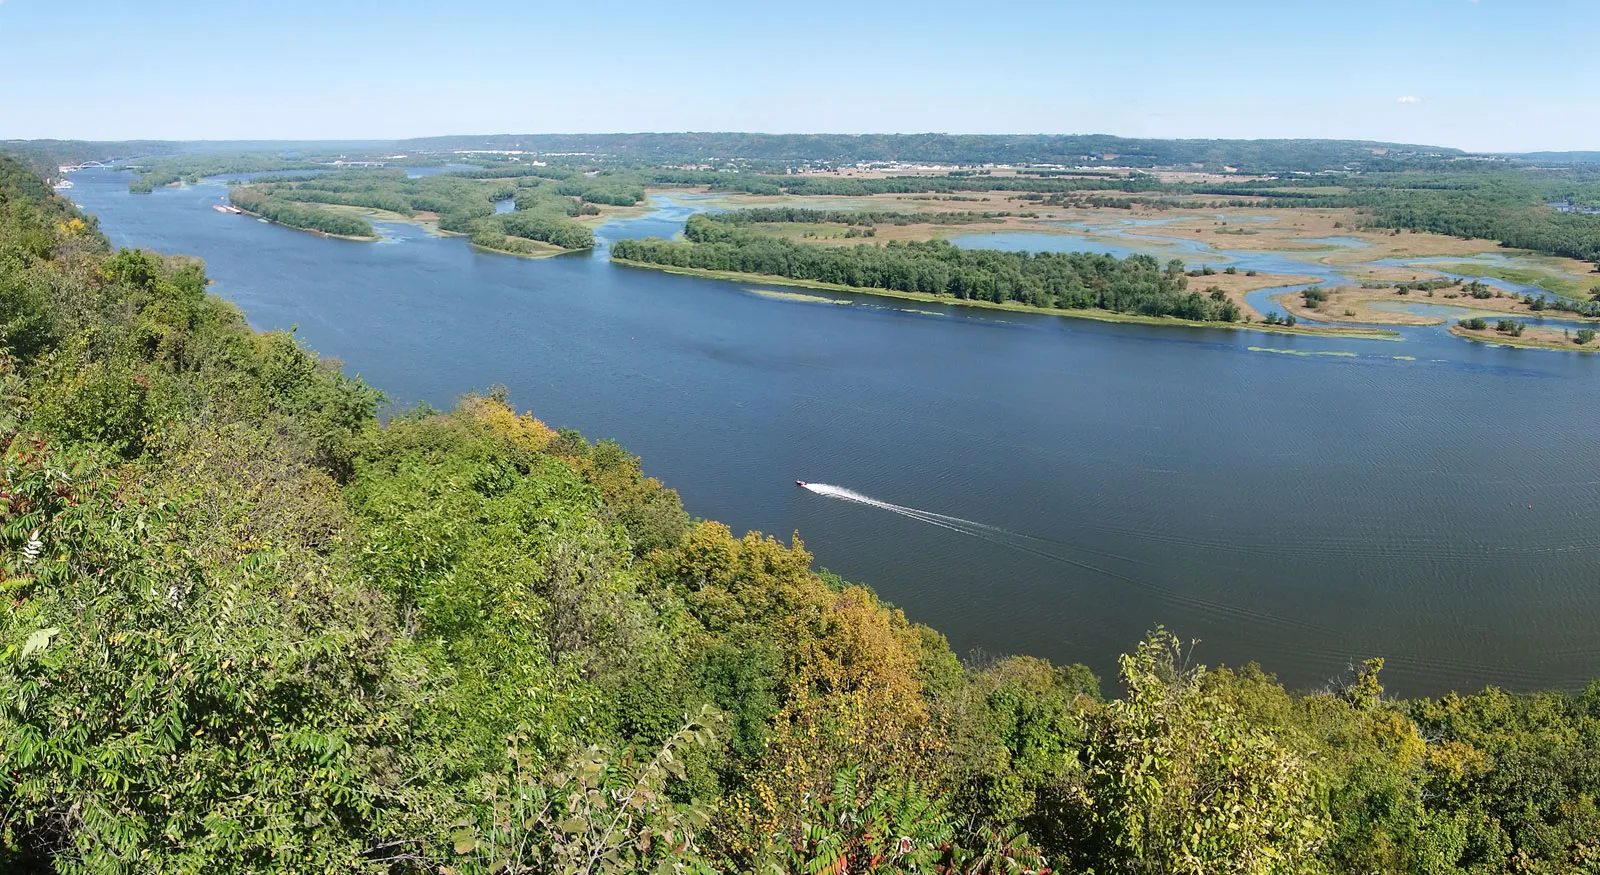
(597, 815)
(1177, 782)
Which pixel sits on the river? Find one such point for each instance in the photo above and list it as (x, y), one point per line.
(1301, 502)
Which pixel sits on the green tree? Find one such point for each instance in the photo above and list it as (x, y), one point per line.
(1177, 782)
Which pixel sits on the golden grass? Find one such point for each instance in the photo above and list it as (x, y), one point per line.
(1237, 286)
(609, 212)
(1359, 300)
(1532, 338)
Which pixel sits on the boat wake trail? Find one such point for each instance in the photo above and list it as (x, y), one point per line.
(1056, 551)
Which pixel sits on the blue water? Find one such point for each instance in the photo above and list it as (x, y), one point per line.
(1297, 501)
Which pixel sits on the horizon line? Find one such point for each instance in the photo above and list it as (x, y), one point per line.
(620, 133)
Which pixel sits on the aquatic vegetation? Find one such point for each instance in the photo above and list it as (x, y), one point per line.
(797, 296)
(1306, 352)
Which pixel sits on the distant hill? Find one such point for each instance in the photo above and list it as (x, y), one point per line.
(44, 156)
(693, 147)
(1094, 149)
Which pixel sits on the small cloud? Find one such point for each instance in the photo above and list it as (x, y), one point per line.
(1409, 99)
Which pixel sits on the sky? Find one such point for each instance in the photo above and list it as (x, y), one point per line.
(1482, 75)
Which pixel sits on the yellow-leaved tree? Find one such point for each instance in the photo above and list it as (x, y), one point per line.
(1179, 782)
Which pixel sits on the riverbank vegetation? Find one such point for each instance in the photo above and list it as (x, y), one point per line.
(1508, 332)
(251, 628)
(1406, 302)
(458, 204)
(297, 215)
(1075, 281)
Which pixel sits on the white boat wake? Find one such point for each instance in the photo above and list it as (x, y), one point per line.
(1052, 549)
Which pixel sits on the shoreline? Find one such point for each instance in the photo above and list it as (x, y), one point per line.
(1095, 315)
(1361, 301)
(1495, 338)
(1294, 304)
(556, 250)
(429, 225)
(312, 231)
(1551, 280)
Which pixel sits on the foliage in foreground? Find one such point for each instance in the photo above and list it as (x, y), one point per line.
(250, 629)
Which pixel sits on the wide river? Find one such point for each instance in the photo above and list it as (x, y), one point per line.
(1299, 502)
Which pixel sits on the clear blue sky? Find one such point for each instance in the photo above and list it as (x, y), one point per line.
(1477, 74)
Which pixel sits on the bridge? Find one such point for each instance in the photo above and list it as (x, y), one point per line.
(68, 168)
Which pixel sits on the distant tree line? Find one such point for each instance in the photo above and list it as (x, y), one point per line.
(759, 215)
(157, 172)
(818, 186)
(1068, 150)
(503, 171)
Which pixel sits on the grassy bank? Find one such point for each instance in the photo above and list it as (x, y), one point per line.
(1532, 339)
(1562, 284)
(1096, 315)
